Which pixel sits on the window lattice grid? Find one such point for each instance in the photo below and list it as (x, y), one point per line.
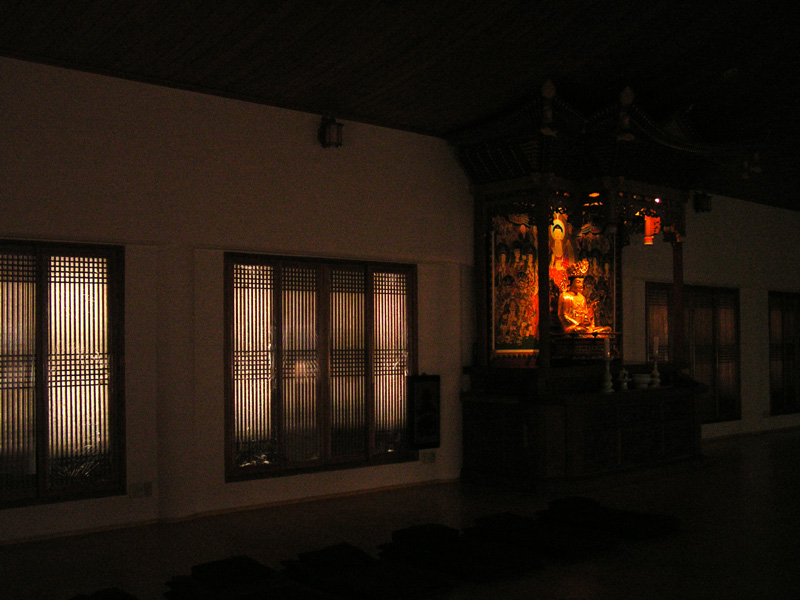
(300, 366)
(348, 362)
(57, 405)
(17, 373)
(348, 415)
(390, 360)
(711, 331)
(299, 308)
(257, 277)
(253, 365)
(777, 387)
(337, 362)
(390, 284)
(255, 438)
(17, 321)
(300, 405)
(83, 270)
(17, 268)
(784, 352)
(347, 386)
(78, 371)
(253, 309)
(348, 281)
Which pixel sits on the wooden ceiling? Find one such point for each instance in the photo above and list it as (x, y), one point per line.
(439, 67)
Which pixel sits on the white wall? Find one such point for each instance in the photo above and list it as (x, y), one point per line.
(736, 245)
(179, 178)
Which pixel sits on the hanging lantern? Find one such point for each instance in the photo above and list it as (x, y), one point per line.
(652, 226)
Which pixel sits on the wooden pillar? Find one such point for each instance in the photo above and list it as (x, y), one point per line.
(677, 328)
(543, 214)
(481, 285)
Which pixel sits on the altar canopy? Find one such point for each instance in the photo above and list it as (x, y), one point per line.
(558, 194)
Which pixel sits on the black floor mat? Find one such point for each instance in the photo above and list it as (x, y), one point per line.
(238, 578)
(440, 548)
(348, 571)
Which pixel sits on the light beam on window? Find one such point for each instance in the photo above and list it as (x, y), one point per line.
(78, 368)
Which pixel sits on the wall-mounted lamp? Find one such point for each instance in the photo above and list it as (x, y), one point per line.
(330, 132)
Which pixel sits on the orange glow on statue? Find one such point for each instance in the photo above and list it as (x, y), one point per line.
(562, 255)
(575, 314)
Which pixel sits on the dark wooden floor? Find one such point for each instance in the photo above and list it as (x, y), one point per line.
(739, 507)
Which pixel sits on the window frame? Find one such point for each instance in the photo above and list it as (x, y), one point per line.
(116, 484)
(784, 398)
(323, 267)
(715, 297)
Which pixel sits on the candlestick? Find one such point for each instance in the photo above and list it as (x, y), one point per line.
(623, 379)
(606, 347)
(655, 376)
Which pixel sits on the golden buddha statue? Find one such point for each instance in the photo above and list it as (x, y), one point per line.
(573, 311)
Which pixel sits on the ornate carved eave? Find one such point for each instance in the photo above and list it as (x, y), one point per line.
(547, 135)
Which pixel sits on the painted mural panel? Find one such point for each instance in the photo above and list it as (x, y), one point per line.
(584, 252)
(515, 283)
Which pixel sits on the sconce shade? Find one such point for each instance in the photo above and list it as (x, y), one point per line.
(330, 133)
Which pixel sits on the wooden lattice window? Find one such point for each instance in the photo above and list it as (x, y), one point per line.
(317, 356)
(711, 333)
(61, 412)
(784, 353)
